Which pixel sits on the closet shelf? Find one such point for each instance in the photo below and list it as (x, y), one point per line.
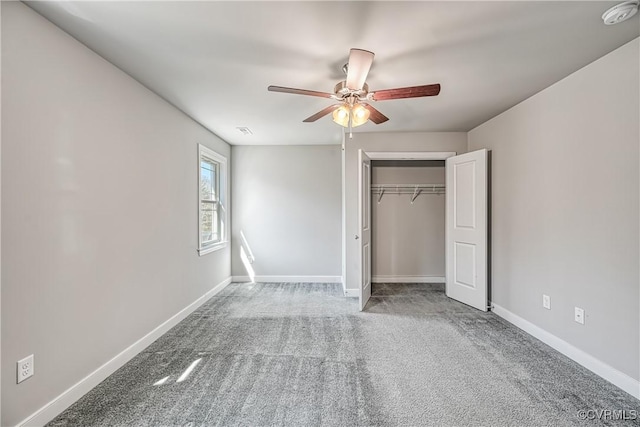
(414, 189)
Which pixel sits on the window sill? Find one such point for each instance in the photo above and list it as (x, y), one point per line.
(212, 248)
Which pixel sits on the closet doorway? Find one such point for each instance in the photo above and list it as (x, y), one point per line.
(407, 221)
(460, 181)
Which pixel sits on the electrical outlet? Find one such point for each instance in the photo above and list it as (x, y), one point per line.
(579, 315)
(546, 301)
(25, 368)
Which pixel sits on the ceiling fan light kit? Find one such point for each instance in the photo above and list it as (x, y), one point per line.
(620, 12)
(357, 114)
(354, 96)
(341, 115)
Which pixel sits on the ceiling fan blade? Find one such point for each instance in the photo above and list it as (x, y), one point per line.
(406, 92)
(299, 91)
(359, 64)
(374, 115)
(321, 113)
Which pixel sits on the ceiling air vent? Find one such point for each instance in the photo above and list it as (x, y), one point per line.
(244, 130)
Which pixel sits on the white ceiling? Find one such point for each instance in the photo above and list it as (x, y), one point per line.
(214, 60)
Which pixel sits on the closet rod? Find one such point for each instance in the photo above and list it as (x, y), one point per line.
(414, 189)
(407, 188)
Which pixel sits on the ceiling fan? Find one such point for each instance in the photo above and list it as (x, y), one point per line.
(353, 94)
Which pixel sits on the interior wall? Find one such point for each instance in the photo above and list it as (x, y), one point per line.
(392, 141)
(287, 203)
(564, 206)
(99, 211)
(407, 242)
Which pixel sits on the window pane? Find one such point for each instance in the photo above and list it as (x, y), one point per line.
(209, 227)
(215, 232)
(208, 183)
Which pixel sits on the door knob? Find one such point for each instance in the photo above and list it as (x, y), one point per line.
(357, 237)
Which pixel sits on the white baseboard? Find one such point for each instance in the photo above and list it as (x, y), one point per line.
(609, 373)
(407, 279)
(290, 279)
(352, 293)
(76, 391)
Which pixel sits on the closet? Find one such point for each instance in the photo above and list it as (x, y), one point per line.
(408, 221)
(401, 254)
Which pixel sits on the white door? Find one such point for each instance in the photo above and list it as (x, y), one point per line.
(466, 229)
(364, 226)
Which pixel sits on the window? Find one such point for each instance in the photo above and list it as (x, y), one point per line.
(212, 209)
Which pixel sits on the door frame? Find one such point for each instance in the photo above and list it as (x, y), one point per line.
(410, 155)
(397, 155)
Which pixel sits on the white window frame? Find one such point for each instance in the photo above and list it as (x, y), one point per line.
(223, 191)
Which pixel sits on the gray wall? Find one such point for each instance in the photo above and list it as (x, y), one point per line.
(397, 141)
(287, 202)
(99, 210)
(565, 207)
(407, 238)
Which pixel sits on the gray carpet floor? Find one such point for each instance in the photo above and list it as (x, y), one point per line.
(303, 355)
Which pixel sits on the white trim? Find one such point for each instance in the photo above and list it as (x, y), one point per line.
(609, 373)
(290, 279)
(343, 188)
(410, 155)
(352, 293)
(407, 279)
(222, 191)
(79, 389)
(212, 248)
